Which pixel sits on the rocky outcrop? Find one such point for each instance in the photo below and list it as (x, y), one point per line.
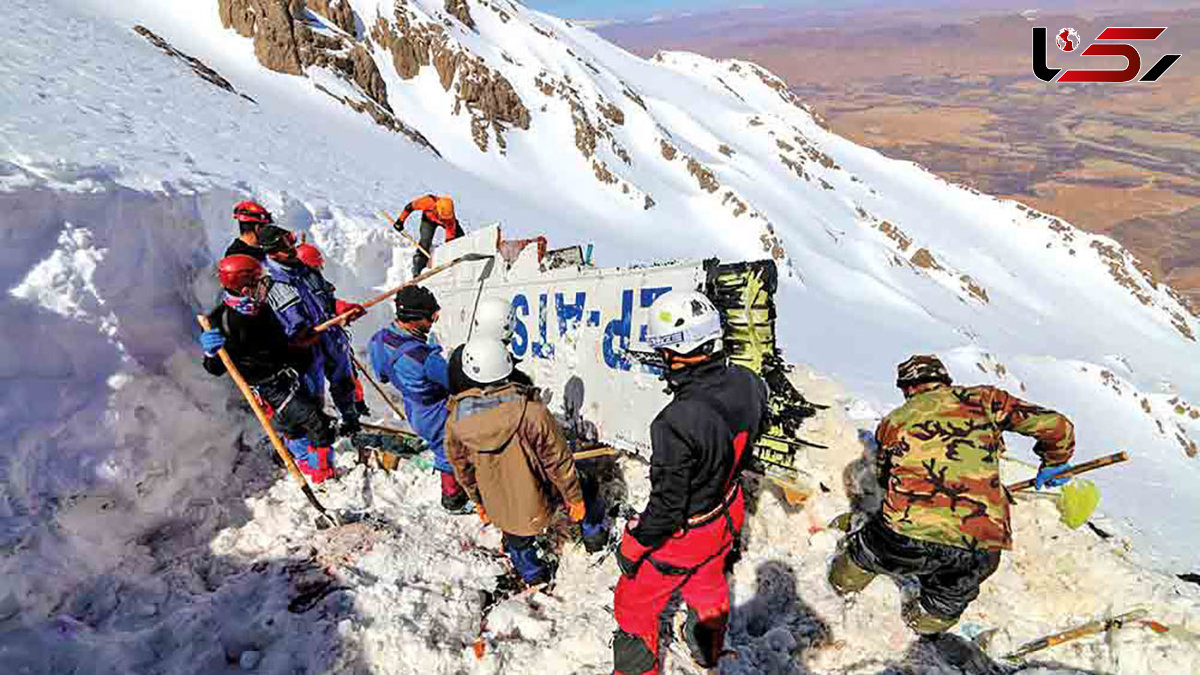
(270, 23)
(338, 12)
(197, 66)
(485, 94)
(461, 11)
(703, 175)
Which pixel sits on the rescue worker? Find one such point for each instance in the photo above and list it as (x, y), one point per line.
(494, 319)
(402, 355)
(701, 441)
(250, 216)
(510, 456)
(435, 212)
(310, 255)
(303, 299)
(945, 514)
(270, 363)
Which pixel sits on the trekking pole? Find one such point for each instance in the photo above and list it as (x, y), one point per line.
(406, 235)
(341, 318)
(363, 371)
(1090, 628)
(326, 518)
(1099, 463)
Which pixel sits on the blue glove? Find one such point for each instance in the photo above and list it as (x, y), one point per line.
(211, 341)
(1047, 476)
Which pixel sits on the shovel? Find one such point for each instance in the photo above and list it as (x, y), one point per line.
(325, 519)
(345, 316)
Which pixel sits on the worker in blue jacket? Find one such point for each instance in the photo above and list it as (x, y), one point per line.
(402, 355)
(302, 299)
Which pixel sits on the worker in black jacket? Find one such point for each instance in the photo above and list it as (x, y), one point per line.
(254, 338)
(701, 442)
(250, 216)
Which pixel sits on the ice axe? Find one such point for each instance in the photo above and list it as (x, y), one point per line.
(1090, 628)
(325, 519)
(345, 316)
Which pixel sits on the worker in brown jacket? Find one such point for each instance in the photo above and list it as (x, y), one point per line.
(510, 456)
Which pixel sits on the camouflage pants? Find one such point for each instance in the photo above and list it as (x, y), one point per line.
(949, 576)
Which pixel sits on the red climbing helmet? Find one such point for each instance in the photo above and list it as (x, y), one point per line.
(310, 255)
(251, 212)
(238, 271)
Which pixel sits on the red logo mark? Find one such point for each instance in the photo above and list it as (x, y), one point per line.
(1067, 40)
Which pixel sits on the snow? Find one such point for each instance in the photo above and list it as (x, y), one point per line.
(143, 528)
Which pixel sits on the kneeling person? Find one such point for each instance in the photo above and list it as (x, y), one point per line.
(945, 516)
(255, 339)
(509, 455)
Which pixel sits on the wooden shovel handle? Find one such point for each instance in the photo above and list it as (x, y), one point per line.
(1098, 463)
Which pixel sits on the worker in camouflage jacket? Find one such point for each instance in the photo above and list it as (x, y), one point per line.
(945, 516)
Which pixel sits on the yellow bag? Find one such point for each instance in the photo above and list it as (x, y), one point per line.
(1077, 501)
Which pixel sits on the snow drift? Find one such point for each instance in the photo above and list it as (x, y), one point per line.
(129, 546)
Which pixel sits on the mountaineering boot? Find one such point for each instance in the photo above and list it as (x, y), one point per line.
(321, 464)
(350, 426)
(924, 622)
(595, 537)
(706, 638)
(846, 576)
(523, 553)
(454, 499)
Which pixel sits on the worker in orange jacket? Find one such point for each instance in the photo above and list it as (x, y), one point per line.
(435, 212)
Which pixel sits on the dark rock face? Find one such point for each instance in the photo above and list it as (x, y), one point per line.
(194, 63)
(269, 22)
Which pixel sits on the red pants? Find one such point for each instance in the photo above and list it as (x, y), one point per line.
(691, 562)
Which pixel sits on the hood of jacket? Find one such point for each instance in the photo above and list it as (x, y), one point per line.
(485, 419)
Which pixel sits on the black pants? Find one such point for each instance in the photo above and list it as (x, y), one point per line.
(428, 229)
(297, 413)
(950, 577)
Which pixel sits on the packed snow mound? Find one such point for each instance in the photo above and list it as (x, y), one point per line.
(141, 526)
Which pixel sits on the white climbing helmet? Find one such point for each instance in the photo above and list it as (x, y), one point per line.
(495, 319)
(682, 321)
(486, 360)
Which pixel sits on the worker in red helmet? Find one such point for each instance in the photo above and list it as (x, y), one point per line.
(250, 216)
(435, 212)
(255, 339)
(311, 255)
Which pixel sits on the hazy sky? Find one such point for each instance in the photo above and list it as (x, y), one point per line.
(596, 9)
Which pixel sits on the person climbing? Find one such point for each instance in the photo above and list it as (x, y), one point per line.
(255, 339)
(435, 212)
(945, 514)
(310, 255)
(402, 355)
(250, 217)
(510, 456)
(303, 299)
(494, 319)
(683, 539)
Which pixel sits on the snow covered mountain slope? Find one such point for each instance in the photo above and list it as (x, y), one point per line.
(119, 161)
